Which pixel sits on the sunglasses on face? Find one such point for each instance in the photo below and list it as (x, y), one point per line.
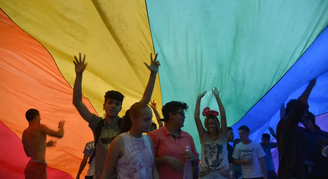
(182, 113)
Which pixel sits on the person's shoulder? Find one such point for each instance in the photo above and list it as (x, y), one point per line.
(25, 130)
(157, 131)
(257, 143)
(265, 147)
(36, 129)
(186, 134)
(96, 118)
(39, 127)
(146, 137)
(152, 133)
(281, 122)
(24, 134)
(239, 145)
(324, 133)
(118, 140)
(36, 126)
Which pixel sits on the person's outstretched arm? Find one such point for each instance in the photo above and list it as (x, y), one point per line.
(82, 165)
(153, 106)
(305, 95)
(59, 133)
(77, 90)
(199, 125)
(224, 128)
(153, 67)
(294, 115)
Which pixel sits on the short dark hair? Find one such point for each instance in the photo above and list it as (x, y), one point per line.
(172, 107)
(244, 128)
(230, 129)
(114, 95)
(265, 136)
(31, 113)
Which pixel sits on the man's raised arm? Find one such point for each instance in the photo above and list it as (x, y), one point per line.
(77, 90)
(153, 67)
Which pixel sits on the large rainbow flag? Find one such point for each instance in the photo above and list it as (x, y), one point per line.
(259, 53)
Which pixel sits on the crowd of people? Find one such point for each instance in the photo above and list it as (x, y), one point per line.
(132, 147)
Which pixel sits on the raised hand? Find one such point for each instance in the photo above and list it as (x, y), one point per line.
(271, 131)
(201, 95)
(152, 104)
(313, 82)
(154, 64)
(61, 124)
(216, 92)
(79, 64)
(51, 143)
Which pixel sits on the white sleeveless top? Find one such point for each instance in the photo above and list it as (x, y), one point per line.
(214, 155)
(137, 160)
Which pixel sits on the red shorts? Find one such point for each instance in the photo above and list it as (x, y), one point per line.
(36, 170)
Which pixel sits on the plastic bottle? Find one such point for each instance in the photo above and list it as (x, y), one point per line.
(187, 169)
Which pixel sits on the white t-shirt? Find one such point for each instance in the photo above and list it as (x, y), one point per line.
(253, 151)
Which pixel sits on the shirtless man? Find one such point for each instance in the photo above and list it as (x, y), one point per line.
(34, 142)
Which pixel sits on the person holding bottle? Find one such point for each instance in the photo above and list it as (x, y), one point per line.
(170, 143)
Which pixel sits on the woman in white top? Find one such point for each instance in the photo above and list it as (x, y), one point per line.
(214, 155)
(131, 154)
